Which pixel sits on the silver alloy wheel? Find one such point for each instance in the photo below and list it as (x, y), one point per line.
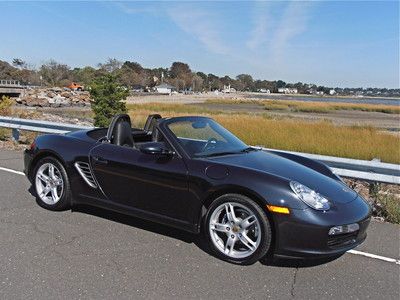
(49, 183)
(235, 230)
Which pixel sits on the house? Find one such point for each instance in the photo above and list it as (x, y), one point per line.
(266, 91)
(332, 92)
(287, 90)
(165, 88)
(228, 89)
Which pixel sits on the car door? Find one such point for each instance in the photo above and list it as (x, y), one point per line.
(142, 181)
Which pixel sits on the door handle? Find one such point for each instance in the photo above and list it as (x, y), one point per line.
(100, 160)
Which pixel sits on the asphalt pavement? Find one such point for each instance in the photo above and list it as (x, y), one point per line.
(91, 253)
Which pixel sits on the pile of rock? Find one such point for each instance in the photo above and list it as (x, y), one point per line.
(54, 97)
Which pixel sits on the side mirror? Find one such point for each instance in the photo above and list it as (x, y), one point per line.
(156, 149)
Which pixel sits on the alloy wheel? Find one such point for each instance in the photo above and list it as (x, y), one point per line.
(49, 183)
(234, 230)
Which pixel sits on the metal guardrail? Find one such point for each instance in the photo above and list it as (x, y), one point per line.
(373, 171)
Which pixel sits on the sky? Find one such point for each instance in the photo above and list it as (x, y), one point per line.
(332, 43)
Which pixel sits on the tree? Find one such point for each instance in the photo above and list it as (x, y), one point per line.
(84, 75)
(197, 83)
(19, 63)
(182, 74)
(247, 81)
(108, 99)
(179, 70)
(111, 65)
(53, 72)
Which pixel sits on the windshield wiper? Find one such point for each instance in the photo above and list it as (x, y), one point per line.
(249, 149)
(219, 154)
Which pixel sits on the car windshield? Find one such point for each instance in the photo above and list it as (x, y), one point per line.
(203, 137)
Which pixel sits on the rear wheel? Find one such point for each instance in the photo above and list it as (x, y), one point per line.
(51, 184)
(237, 229)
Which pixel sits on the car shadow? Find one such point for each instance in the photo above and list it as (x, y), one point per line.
(189, 238)
(297, 262)
(136, 222)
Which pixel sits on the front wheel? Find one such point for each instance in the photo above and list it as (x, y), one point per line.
(237, 229)
(51, 184)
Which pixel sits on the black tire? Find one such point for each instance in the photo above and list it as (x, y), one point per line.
(265, 229)
(65, 199)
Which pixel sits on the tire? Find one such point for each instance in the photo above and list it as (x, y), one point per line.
(52, 188)
(245, 236)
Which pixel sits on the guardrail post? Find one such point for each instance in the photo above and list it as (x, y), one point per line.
(15, 134)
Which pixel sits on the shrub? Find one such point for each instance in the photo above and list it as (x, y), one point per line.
(5, 106)
(388, 207)
(108, 99)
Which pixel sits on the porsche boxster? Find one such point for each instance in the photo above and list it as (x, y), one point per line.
(193, 174)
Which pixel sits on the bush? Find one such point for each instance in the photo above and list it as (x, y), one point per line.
(108, 99)
(5, 106)
(388, 207)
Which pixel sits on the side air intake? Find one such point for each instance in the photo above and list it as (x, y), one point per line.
(84, 170)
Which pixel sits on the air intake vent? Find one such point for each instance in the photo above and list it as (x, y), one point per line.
(84, 170)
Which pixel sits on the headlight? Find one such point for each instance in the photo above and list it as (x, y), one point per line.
(309, 197)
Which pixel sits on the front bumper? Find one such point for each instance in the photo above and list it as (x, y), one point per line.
(304, 233)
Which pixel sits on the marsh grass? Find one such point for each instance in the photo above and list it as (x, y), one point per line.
(312, 107)
(323, 137)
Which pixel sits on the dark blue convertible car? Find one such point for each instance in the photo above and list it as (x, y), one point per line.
(193, 174)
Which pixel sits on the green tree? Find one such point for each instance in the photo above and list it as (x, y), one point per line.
(108, 99)
(247, 81)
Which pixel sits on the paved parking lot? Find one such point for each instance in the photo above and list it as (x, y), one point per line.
(91, 253)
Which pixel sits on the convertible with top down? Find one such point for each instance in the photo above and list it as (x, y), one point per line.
(193, 174)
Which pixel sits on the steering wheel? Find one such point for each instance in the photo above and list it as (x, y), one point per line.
(211, 144)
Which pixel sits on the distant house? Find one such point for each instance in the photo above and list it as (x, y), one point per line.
(332, 92)
(266, 91)
(287, 90)
(164, 88)
(228, 89)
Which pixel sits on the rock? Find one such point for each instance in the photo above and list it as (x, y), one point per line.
(54, 97)
(50, 94)
(66, 94)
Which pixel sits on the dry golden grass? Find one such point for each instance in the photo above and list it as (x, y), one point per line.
(287, 134)
(317, 107)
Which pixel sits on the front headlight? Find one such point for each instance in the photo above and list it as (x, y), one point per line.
(309, 197)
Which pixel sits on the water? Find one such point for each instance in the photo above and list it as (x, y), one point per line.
(360, 100)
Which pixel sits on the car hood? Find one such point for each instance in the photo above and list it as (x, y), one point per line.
(332, 189)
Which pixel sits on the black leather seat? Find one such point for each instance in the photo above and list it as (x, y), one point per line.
(151, 122)
(120, 131)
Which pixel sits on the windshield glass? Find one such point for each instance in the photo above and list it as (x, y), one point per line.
(202, 137)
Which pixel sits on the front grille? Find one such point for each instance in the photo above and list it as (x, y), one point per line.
(342, 239)
(84, 170)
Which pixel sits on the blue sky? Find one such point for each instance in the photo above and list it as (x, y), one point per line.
(334, 43)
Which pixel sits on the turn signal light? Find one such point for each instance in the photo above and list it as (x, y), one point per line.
(278, 209)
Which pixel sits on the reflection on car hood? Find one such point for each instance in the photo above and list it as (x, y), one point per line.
(263, 161)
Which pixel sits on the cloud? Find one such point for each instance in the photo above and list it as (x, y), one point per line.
(261, 25)
(199, 23)
(136, 9)
(293, 23)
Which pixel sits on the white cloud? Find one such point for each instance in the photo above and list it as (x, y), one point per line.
(201, 24)
(261, 25)
(293, 23)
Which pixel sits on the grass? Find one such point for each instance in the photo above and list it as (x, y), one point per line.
(389, 208)
(312, 107)
(289, 134)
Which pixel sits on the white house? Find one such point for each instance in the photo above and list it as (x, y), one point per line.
(332, 92)
(287, 90)
(165, 88)
(228, 89)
